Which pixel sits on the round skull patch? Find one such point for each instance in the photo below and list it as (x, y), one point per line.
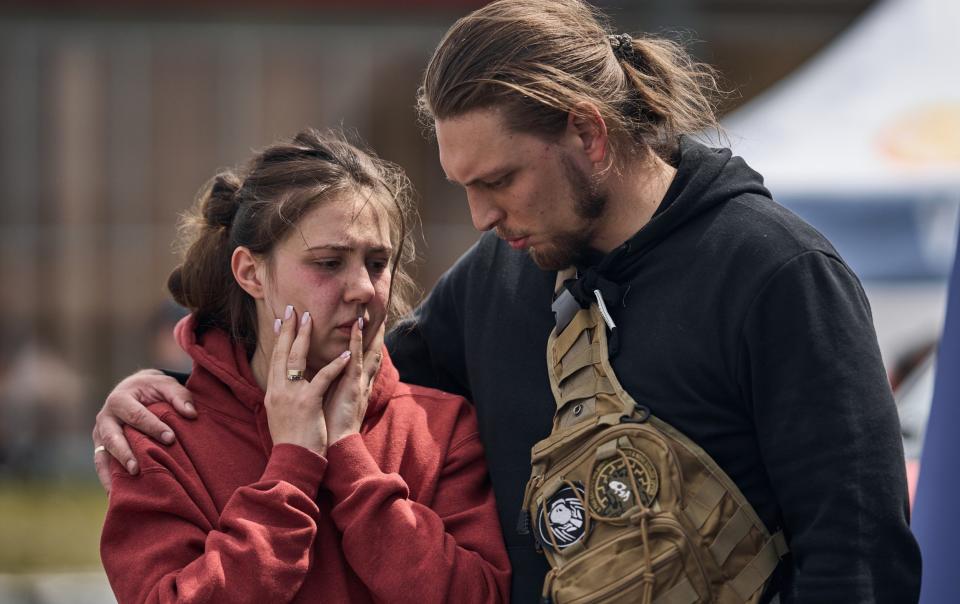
(611, 492)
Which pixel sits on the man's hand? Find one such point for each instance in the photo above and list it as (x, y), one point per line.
(126, 405)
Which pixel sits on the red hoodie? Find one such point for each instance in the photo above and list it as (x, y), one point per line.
(401, 513)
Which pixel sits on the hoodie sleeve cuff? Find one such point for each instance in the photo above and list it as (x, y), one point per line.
(296, 465)
(348, 461)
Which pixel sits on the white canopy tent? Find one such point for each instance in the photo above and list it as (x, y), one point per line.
(879, 109)
(864, 142)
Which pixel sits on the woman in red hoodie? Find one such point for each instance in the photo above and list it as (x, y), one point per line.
(311, 473)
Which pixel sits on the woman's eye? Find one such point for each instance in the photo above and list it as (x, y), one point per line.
(328, 264)
(378, 266)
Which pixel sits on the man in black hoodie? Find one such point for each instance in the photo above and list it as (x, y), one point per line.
(737, 323)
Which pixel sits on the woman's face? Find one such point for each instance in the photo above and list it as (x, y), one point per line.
(335, 264)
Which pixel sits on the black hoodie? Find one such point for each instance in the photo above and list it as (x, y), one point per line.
(740, 325)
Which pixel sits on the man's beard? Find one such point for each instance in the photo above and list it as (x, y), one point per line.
(568, 247)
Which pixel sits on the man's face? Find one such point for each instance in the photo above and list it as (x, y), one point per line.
(536, 193)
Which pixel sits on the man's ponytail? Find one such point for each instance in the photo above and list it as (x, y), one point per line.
(673, 94)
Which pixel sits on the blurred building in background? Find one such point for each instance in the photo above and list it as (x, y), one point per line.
(113, 115)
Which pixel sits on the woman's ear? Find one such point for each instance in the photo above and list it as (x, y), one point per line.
(247, 270)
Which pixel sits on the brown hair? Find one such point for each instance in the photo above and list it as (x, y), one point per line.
(537, 60)
(259, 205)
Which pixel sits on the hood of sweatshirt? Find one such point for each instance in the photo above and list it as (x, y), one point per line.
(706, 178)
(223, 378)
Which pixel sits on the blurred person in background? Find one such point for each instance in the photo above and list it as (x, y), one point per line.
(310, 472)
(42, 399)
(736, 321)
(164, 349)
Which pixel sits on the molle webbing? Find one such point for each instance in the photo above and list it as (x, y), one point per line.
(625, 507)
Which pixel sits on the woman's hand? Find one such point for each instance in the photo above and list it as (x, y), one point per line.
(345, 407)
(295, 407)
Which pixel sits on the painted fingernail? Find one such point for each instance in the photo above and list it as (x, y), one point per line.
(288, 312)
(167, 436)
(345, 354)
(305, 318)
(132, 466)
(276, 326)
(360, 322)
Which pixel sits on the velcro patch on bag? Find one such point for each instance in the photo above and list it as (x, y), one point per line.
(561, 519)
(612, 490)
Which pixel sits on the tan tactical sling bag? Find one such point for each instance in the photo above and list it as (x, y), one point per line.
(625, 507)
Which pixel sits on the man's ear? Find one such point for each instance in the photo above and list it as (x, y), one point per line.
(247, 270)
(589, 130)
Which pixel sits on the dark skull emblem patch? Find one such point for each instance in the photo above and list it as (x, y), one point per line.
(611, 491)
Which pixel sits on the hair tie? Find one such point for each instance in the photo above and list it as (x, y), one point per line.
(622, 45)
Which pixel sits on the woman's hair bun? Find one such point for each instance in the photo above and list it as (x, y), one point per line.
(220, 203)
(175, 286)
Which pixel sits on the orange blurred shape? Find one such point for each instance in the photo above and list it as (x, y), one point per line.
(927, 135)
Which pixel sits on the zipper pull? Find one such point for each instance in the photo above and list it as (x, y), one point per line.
(523, 523)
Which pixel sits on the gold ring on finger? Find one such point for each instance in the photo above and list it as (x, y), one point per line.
(294, 375)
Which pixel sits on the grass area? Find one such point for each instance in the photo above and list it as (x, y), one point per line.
(50, 527)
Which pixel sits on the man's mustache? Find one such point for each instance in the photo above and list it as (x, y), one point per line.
(503, 233)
